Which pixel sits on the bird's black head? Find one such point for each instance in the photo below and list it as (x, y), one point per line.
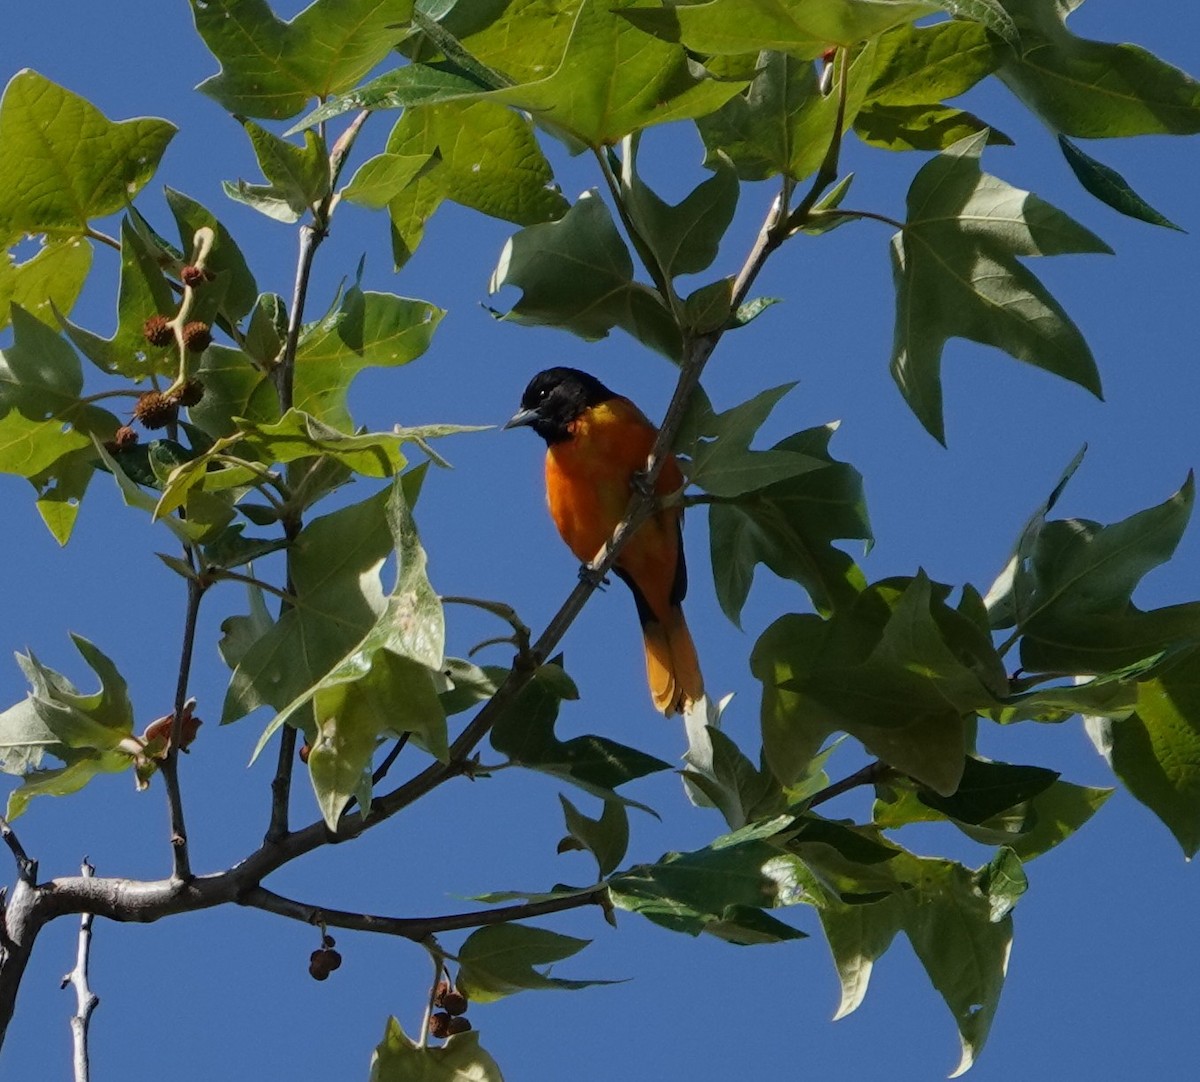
(554, 398)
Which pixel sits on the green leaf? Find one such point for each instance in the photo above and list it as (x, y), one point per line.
(225, 258)
(369, 329)
(687, 892)
(720, 775)
(606, 838)
(25, 739)
(989, 788)
(918, 66)
(1077, 614)
(989, 13)
(613, 80)
(47, 282)
(718, 445)
(957, 276)
(100, 722)
(65, 163)
(240, 633)
(479, 155)
(1107, 185)
(46, 427)
(271, 68)
(234, 390)
(1091, 89)
(382, 178)
(143, 292)
(683, 238)
(890, 671)
(334, 565)
(387, 683)
(398, 1058)
(298, 178)
(525, 733)
(789, 526)
(783, 123)
(947, 912)
(805, 28)
(577, 274)
(64, 780)
(499, 960)
(1156, 751)
(920, 127)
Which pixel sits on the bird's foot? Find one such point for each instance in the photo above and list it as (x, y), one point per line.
(592, 577)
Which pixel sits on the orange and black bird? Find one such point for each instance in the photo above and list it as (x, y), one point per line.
(596, 441)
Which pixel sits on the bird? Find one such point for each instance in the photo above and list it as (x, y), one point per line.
(597, 442)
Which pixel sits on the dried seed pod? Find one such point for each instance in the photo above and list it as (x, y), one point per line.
(197, 336)
(158, 331)
(155, 410)
(192, 276)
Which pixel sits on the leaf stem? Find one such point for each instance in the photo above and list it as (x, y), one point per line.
(867, 775)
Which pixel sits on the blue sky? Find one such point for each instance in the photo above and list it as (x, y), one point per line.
(1103, 977)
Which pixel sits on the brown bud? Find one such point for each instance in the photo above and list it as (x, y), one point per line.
(439, 1025)
(333, 959)
(197, 336)
(459, 1025)
(192, 276)
(190, 393)
(454, 1003)
(158, 331)
(443, 989)
(304, 752)
(154, 409)
(124, 437)
(160, 731)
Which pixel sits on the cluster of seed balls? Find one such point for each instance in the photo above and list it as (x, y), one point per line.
(324, 960)
(451, 1019)
(156, 409)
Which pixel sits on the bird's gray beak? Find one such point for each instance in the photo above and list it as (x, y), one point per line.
(521, 418)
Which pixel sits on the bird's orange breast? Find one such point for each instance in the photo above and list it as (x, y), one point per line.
(588, 487)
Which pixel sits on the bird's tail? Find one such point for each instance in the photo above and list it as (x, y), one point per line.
(672, 668)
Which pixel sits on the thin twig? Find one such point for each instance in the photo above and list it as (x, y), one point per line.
(383, 768)
(181, 863)
(26, 868)
(868, 775)
(223, 574)
(86, 1001)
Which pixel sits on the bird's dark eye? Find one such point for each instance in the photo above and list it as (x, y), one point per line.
(543, 394)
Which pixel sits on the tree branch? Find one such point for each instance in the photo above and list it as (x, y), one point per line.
(415, 928)
(85, 999)
(181, 864)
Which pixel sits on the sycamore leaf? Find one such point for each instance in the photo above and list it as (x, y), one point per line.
(334, 564)
(382, 178)
(480, 155)
(398, 1058)
(612, 80)
(271, 68)
(235, 390)
(789, 526)
(499, 960)
(577, 274)
(920, 65)
(368, 329)
(48, 281)
(65, 163)
(143, 292)
(718, 446)
(1107, 185)
(683, 238)
(101, 721)
(46, 426)
(81, 768)
(1077, 616)
(298, 178)
(1093, 89)
(782, 123)
(957, 276)
(959, 925)
(920, 127)
(224, 259)
(606, 838)
(896, 670)
(1156, 750)
(525, 733)
(25, 739)
(804, 28)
